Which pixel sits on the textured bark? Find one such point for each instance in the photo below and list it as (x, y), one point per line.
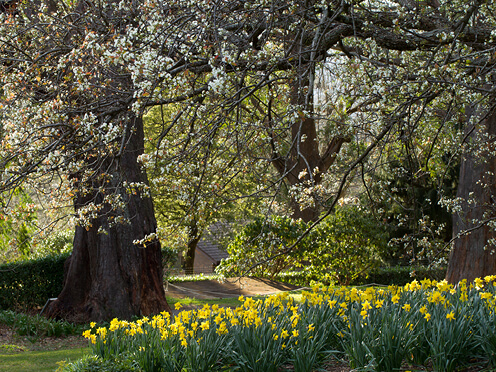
(189, 258)
(108, 276)
(305, 154)
(469, 259)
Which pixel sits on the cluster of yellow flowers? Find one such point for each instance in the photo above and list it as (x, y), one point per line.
(252, 312)
(288, 322)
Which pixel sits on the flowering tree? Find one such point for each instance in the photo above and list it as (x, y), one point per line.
(78, 77)
(193, 191)
(67, 117)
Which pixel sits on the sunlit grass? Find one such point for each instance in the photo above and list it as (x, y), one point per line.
(191, 302)
(37, 361)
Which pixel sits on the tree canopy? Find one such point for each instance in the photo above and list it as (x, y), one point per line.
(317, 90)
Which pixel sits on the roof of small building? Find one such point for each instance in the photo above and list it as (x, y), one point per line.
(212, 249)
(209, 243)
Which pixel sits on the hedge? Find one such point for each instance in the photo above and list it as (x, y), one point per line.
(399, 275)
(29, 284)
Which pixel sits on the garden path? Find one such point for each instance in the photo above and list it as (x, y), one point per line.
(231, 287)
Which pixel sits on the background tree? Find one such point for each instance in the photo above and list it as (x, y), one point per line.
(194, 191)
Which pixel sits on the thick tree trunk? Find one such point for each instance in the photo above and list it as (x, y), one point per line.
(473, 254)
(108, 275)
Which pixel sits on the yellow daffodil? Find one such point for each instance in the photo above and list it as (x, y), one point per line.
(205, 325)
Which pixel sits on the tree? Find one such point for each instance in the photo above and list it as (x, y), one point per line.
(67, 115)
(192, 192)
(474, 214)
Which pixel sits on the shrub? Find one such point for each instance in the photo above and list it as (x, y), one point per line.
(399, 275)
(59, 242)
(260, 240)
(343, 246)
(346, 244)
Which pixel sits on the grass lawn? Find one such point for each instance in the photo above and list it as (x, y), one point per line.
(189, 302)
(37, 361)
(194, 302)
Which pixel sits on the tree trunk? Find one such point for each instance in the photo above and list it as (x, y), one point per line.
(304, 165)
(108, 275)
(189, 259)
(473, 254)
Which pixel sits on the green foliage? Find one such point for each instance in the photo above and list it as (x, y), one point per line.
(345, 244)
(260, 240)
(407, 196)
(37, 326)
(59, 242)
(452, 342)
(28, 284)
(17, 223)
(169, 258)
(93, 363)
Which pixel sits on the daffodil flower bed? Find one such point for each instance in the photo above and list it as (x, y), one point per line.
(424, 323)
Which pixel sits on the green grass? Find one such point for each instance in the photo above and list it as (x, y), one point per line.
(38, 361)
(232, 302)
(194, 302)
